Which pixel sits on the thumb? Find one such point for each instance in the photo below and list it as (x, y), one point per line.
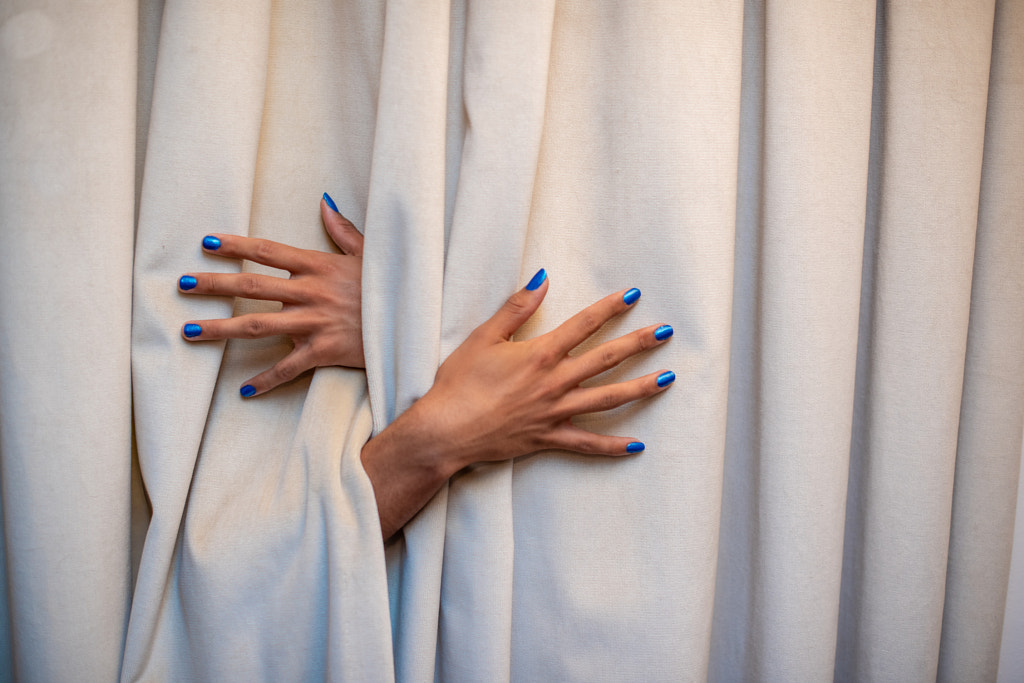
(519, 307)
(341, 230)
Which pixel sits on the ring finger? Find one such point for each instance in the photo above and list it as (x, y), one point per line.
(609, 396)
(249, 326)
(245, 285)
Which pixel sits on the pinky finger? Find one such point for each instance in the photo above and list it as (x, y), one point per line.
(285, 370)
(569, 437)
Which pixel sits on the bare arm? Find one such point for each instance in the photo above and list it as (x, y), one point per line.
(494, 399)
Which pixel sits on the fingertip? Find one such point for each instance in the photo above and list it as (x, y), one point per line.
(631, 296)
(247, 391)
(211, 243)
(330, 203)
(663, 332)
(666, 378)
(187, 282)
(537, 280)
(191, 330)
(635, 447)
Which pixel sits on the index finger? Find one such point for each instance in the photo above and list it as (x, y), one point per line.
(576, 329)
(266, 252)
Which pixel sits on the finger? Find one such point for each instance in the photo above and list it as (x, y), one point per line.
(518, 309)
(249, 326)
(285, 370)
(573, 331)
(341, 230)
(266, 252)
(609, 396)
(245, 285)
(608, 355)
(569, 437)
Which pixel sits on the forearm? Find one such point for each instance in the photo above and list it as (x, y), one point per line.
(406, 464)
(494, 399)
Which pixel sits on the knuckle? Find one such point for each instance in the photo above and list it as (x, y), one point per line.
(644, 341)
(264, 248)
(254, 327)
(589, 322)
(608, 400)
(609, 359)
(545, 357)
(581, 445)
(249, 285)
(286, 369)
(515, 306)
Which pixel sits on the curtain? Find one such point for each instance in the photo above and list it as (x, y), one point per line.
(824, 200)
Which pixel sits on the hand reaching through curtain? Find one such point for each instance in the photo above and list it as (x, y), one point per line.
(492, 399)
(495, 399)
(322, 309)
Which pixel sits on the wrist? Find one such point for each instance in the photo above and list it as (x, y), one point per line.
(407, 463)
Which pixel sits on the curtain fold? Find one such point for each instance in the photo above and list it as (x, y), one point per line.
(800, 236)
(915, 329)
(987, 467)
(823, 200)
(67, 164)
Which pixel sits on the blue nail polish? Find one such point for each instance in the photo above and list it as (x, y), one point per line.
(635, 447)
(330, 203)
(631, 296)
(537, 280)
(193, 330)
(663, 332)
(247, 391)
(666, 378)
(210, 242)
(187, 282)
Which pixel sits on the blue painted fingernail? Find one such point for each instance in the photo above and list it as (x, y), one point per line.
(187, 282)
(631, 296)
(537, 280)
(635, 447)
(210, 242)
(330, 203)
(663, 332)
(666, 378)
(247, 391)
(193, 330)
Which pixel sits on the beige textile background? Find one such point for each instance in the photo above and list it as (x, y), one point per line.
(822, 198)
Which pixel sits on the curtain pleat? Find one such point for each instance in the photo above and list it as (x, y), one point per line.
(505, 62)
(67, 140)
(989, 437)
(822, 199)
(799, 249)
(615, 558)
(914, 332)
(403, 272)
(258, 506)
(198, 178)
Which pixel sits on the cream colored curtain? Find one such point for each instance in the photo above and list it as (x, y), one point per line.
(824, 200)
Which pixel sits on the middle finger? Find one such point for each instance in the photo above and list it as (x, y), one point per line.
(573, 331)
(245, 285)
(611, 353)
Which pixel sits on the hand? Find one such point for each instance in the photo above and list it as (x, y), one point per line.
(495, 399)
(322, 307)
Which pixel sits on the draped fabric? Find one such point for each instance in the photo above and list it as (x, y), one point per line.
(823, 199)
